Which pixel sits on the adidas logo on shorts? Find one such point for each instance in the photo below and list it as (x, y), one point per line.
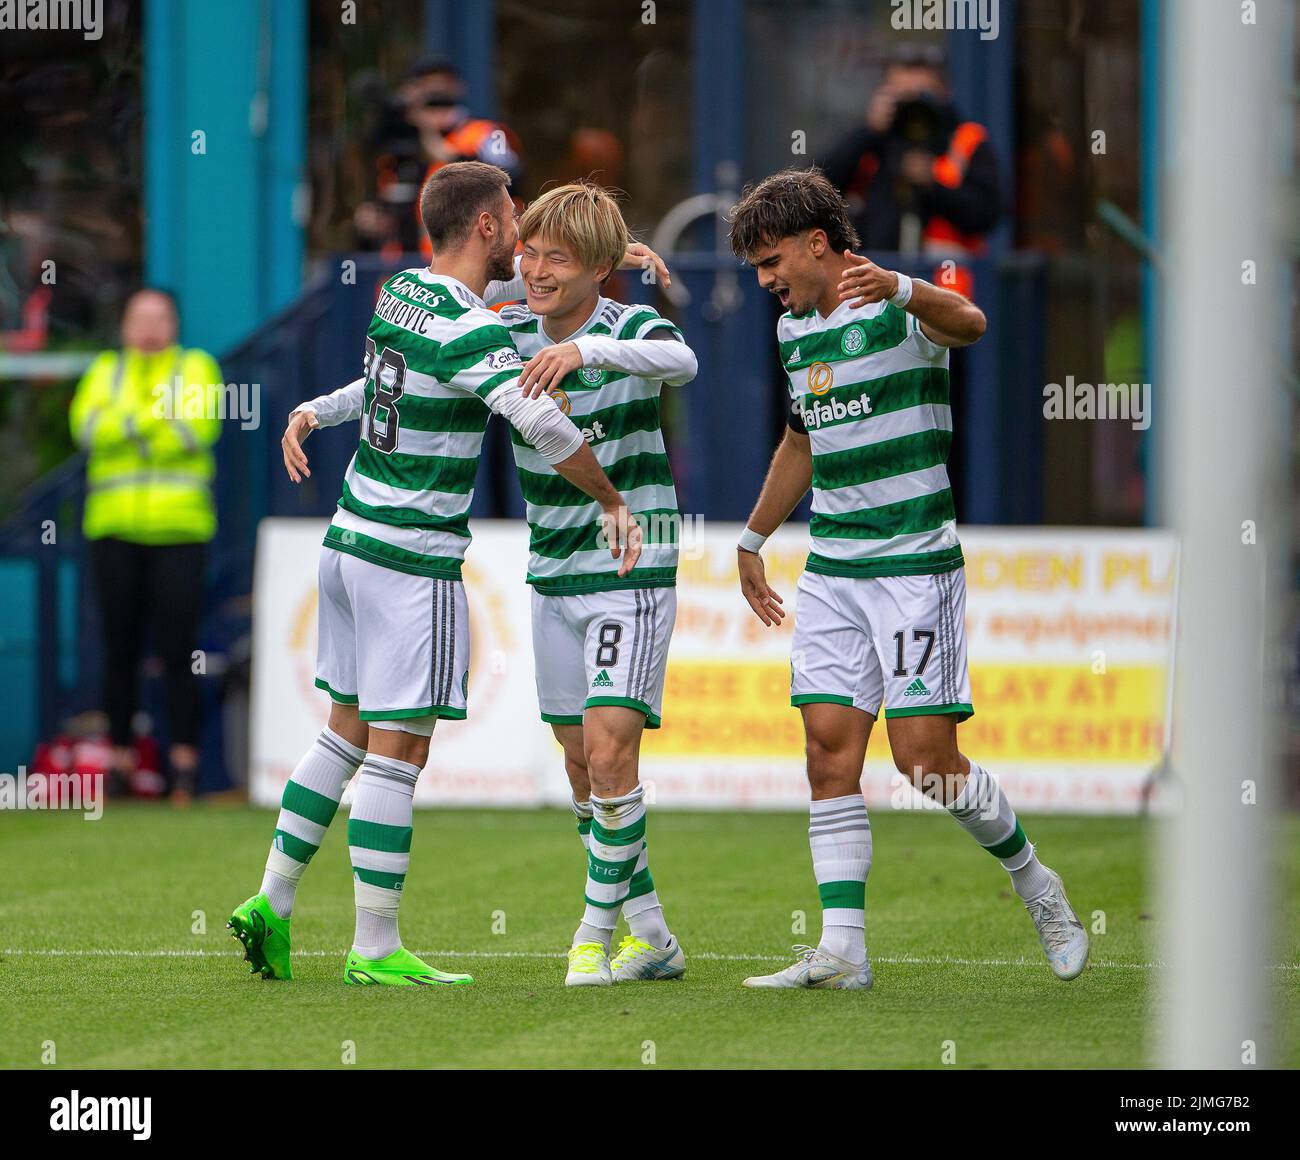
(916, 689)
(602, 681)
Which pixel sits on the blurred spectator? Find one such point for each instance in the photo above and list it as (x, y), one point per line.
(915, 175)
(426, 126)
(593, 155)
(147, 416)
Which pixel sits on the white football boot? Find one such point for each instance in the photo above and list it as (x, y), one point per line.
(588, 966)
(637, 961)
(1064, 940)
(815, 968)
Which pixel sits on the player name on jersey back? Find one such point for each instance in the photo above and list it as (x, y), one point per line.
(434, 353)
(619, 417)
(872, 392)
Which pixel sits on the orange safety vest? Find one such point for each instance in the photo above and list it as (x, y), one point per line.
(950, 170)
(465, 139)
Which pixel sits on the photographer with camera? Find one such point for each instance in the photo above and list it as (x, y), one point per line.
(917, 178)
(423, 127)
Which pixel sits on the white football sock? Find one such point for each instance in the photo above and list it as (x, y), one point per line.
(379, 841)
(840, 836)
(617, 835)
(642, 909)
(307, 806)
(983, 811)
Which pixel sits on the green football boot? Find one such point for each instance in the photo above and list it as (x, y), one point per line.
(400, 969)
(265, 937)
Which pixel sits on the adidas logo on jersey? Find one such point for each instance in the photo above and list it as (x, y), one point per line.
(602, 681)
(916, 689)
(794, 357)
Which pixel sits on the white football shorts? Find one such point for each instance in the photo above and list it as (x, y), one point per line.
(602, 648)
(394, 644)
(892, 641)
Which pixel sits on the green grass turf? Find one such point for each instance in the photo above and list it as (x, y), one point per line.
(955, 955)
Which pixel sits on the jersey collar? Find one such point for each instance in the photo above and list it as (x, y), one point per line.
(427, 276)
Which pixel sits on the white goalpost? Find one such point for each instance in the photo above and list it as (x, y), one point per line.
(1223, 415)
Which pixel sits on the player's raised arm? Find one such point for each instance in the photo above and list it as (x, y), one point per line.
(946, 317)
(323, 411)
(788, 480)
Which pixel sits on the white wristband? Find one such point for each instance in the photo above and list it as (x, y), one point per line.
(904, 293)
(750, 541)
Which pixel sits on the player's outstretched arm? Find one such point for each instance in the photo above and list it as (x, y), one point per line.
(661, 355)
(788, 479)
(622, 533)
(323, 411)
(947, 318)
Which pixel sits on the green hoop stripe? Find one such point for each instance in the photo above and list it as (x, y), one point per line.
(1011, 846)
(377, 836)
(374, 551)
(843, 895)
(292, 846)
(381, 878)
(912, 564)
(581, 585)
(642, 883)
(309, 804)
(610, 871)
(624, 837)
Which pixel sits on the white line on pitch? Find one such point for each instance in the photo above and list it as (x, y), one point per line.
(707, 956)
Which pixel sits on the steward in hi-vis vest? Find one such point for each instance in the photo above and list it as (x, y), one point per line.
(147, 422)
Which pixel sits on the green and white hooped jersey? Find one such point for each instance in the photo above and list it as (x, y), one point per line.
(434, 353)
(618, 415)
(872, 393)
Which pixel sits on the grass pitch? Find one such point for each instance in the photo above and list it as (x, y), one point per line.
(113, 947)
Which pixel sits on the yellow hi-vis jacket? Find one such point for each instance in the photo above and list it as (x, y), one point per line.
(147, 424)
